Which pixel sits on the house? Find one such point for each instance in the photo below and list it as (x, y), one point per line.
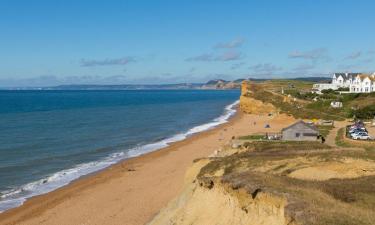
(355, 82)
(363, 83)
(300, 131)
(343, 80)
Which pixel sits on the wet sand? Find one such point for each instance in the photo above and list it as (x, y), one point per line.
(133, 191)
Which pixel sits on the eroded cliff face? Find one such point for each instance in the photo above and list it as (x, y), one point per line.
(215, 203)
(252, 106)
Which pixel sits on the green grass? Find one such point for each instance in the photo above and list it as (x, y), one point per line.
(335, 201)
(340, 138)
(324, 130)
(309, 109)
(303, 110)
(252, 137)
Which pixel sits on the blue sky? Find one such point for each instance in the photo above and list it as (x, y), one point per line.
(109, 42)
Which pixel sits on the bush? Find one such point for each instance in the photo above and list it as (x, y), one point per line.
(367, 112)
(343, 89)
(328, 91)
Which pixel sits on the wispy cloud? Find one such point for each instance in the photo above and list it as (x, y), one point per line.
(238, 42)
(229, 56)
(225, 56)
(107, 62)
(315, 54)
(265, 69)
(354, 55)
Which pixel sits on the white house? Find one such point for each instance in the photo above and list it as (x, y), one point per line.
(355, 82)
(343, 80)
(363, 84)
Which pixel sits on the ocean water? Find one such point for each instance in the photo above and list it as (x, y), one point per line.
(49, 138)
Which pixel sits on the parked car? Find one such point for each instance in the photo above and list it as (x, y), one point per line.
(362, 137)
(357, 131)
(355, 135)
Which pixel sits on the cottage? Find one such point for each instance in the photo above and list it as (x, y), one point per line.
(300, 131)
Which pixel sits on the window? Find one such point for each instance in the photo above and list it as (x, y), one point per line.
(298, 134)
(309, 135)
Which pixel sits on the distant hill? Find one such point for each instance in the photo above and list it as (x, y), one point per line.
(309, 79)
(127, 87)
(314, 79)
(216, 84)
(222, 84)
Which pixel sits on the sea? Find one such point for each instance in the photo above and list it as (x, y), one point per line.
(50, 138)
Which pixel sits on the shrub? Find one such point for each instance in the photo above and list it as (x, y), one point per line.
(367, 112)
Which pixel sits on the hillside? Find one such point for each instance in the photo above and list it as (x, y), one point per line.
(277, 183)
(294, 97)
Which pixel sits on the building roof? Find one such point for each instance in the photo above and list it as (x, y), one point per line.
(303, 123)
(364, 76)
(346, 76)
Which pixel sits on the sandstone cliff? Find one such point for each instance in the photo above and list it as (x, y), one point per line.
(216, 203)
(251, 105)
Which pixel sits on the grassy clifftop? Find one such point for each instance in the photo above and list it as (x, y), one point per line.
(277, 183)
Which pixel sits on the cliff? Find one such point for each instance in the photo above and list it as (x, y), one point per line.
(250, 105)
(276, 183)
(203, 203)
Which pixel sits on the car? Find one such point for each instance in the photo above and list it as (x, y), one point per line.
(356, 131)
(357, 128)
(356, 135)
(362, 137)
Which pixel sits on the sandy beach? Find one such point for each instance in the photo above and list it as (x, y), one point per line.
(132, 192)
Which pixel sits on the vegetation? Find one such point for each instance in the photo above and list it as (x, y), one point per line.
(343, 89)
(340, 141)
(313, 106)
(252, 137)
(324, 130)
(367, 112)
(300, 95)
(309, 201)
(298, 109)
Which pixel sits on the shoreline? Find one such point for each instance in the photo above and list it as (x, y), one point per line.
(140, 186)
(66, 176)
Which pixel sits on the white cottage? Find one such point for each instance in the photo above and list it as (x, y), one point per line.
(356, 82)
(363, 84)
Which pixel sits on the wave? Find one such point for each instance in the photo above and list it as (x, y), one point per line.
(16, 197)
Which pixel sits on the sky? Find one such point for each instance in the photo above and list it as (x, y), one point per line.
(53, 42)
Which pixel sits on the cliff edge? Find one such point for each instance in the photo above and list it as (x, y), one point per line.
(251, 105)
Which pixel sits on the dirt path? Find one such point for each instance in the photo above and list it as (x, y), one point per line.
(331, 138)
